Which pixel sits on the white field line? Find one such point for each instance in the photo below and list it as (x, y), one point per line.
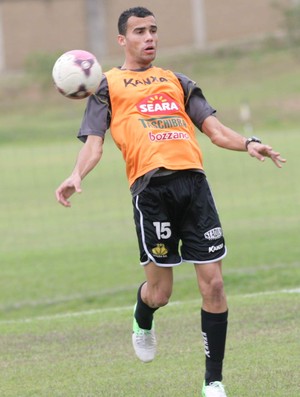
(129, 308)
(105, 292)
(68, 298)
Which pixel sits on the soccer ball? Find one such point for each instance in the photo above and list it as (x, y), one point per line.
(77, 74)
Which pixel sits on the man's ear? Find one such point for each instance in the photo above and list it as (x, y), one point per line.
(121, 40)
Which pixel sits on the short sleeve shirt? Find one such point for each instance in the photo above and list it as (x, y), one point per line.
(97, 116)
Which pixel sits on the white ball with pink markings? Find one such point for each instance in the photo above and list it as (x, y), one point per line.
(77, 74)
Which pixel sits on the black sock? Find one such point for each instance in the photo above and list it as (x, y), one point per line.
(214, 329)
(143, 313)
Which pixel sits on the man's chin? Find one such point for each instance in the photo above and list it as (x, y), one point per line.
(148, 58)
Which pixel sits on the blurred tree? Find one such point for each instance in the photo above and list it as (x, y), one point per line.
(291, 22)
(96, 26)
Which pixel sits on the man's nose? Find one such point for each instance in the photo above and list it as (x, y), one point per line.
(149, 36)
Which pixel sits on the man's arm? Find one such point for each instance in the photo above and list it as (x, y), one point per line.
(227, 138)
(87, 159)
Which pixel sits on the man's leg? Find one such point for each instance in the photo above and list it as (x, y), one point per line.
(214, 315)
(152, 294)
(157, 290)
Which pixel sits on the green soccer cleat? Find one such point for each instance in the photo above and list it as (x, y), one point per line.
(144, 341)
(214, 389)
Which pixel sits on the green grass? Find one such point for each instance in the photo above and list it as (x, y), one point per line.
(69, 276)
(72, 258)
(90, 354)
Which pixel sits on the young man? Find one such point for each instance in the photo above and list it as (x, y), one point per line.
(151, 114)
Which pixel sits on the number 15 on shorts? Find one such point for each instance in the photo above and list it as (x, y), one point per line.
(163, 230)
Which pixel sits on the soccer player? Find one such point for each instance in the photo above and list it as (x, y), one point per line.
(151, 114)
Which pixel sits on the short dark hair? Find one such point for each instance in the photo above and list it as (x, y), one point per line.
(140, 12)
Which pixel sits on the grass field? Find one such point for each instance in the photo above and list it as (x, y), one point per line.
(89, 353)
(69, 276)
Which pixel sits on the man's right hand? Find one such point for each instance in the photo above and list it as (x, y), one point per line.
(67, 188)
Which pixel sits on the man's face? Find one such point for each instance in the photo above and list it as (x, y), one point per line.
(139, 42)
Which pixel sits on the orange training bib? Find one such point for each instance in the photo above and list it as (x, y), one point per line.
(149, 123)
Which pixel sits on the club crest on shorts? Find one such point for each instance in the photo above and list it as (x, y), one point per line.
(160, 250)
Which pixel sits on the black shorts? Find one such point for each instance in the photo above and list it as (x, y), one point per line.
(176, 220)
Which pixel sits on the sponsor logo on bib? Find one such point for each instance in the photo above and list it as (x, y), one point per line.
(159, 104)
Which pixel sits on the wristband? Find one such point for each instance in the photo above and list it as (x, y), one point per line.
(251, 139)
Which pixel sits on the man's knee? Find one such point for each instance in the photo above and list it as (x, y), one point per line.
(216, 285)
(157, 297)
(213, 288)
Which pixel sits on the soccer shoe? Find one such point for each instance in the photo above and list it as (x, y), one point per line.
(214, 389)
(144, 341)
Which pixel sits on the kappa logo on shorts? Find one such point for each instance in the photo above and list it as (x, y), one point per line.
(214, 248)
(159, 104)
(160, 251)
